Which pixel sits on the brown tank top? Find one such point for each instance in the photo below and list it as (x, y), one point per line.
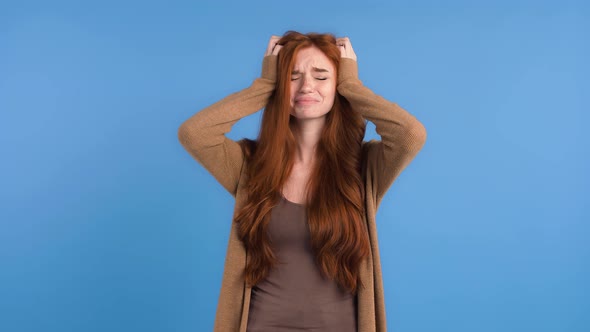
(294, 296)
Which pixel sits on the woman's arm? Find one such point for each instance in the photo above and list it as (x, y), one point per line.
(402, 135)
(203, 134)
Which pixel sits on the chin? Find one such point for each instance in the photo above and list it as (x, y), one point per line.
(309, 117)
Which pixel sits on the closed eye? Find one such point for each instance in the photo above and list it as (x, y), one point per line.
(318, 78)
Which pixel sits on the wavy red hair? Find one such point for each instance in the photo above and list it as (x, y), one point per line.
(335, 191)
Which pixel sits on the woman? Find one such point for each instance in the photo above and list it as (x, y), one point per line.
(303, 251)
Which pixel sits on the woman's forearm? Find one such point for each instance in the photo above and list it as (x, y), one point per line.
(402, 135)
(203, 134)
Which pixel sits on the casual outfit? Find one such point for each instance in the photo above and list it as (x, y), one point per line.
(287, 293)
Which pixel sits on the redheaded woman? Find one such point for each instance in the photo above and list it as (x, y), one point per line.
(303, 252)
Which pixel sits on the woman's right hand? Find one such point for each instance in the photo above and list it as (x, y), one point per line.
(273, 48)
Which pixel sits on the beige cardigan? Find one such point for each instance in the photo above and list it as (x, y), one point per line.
(203, 136)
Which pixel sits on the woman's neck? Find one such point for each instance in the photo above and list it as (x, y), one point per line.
(307, 133)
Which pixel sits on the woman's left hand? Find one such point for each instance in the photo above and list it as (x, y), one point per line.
(345, 47)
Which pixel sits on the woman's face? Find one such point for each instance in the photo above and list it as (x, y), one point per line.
(313, 84)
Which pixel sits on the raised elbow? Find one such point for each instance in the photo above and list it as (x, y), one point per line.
(417, 134)
(185, 135)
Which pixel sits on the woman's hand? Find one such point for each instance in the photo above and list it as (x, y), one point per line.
(345, 47)
(273, 48)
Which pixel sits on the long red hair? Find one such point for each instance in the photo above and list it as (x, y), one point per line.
(335, 191)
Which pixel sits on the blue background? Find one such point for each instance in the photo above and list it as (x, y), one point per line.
(107, 224)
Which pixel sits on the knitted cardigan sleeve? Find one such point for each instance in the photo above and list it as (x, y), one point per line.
(203, 134)
(402, 135)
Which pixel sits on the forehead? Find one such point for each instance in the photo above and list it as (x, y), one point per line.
(310, 57)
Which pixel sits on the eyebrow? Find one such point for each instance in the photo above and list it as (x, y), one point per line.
(315, 69)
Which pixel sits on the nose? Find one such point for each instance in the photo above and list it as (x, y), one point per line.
(306, 84)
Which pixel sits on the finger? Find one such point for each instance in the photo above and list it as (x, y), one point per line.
(342, 51)
(347, 43)
(276, 49)
(271, 44)
(343, 41)
(344, 46)
(268, 49)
